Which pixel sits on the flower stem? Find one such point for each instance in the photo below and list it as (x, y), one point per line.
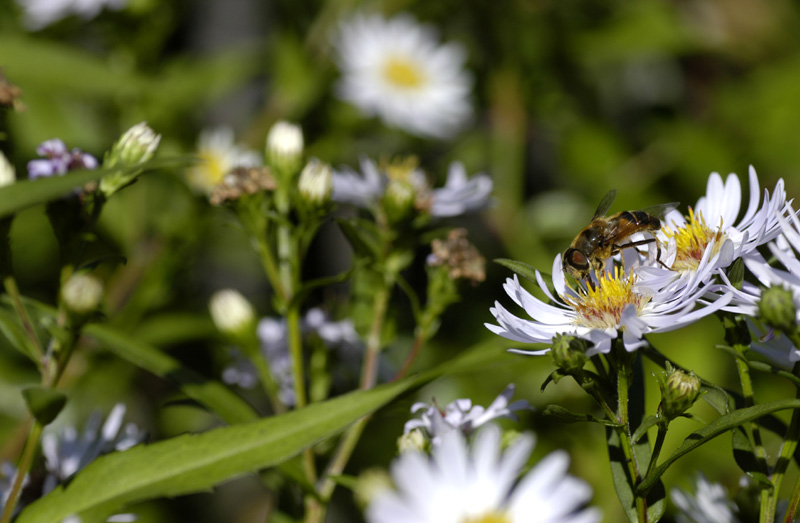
(419, 341)
(660, 437)
(784, 458)
(369, 369)
(624, 432)
(22, 470)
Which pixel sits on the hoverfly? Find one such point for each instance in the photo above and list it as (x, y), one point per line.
(606, 236)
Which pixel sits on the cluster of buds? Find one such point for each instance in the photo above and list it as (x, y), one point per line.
(460, 257)
(241, 181)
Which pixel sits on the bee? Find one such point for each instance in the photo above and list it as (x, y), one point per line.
(606, 236)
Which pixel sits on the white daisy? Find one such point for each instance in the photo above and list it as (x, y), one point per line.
(460, 194)
(711, 226)
(615, 304)
(41, 13)
(709, 504)
(219, 154)
(459, 484)
(397, 70)
(462, 415)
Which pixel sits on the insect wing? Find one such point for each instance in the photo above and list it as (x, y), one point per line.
(660, 211)
(605, 204)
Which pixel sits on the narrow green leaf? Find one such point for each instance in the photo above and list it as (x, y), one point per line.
(26, 193)
(648, 422)
(568, 416)
(361, 236)
(745, 456)
(714, 429)
(196, 462)
(210, 393)
(623, 483)
(44, 404)
(521, 268)
(13, 331)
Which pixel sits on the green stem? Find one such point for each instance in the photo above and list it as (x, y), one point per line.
(624, 431)
(419, 341)
(369, 369)
(660, 437)
(265, 375)
(784, 458)
(24, 466)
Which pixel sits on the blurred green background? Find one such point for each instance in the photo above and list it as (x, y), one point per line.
(572, 98)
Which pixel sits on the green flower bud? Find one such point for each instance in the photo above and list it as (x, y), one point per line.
(137, 145)
(82, 294)
(678, 392)
(569, 353)
(399, 199)
(777, 308)
(285, 148)
(413, 440)
(316, 183)
(232, 313)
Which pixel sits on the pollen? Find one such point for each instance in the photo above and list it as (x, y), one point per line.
(403, 73)
(692, 240)
(601, 306)
(399, 168)
(492, 517)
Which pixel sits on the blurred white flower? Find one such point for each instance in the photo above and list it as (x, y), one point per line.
(219, 154)
(709, 504)
(396, 69)
(67, 452)
(231, 312)
(284, 145)
(460, 194)
(457, 484)
(82, 293)
(462, 415)
(316, 182)
(41, 13)
(8, 474)
(7, 174)
(601, 312)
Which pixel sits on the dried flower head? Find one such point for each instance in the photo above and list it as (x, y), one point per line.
(461, 257)
(10, 94)
(241, 181)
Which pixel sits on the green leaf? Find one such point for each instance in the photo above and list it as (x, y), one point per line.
(745, 456)
(521, 268)
(648, 422)
(714, 429)
(362, 236)
(623, 483)
(45, 404)
(196, 462)
(736, 273)
(13, 331)
(568, 416)
(212, 394)
(26, 193)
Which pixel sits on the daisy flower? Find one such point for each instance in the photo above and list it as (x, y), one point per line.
(459, 484)
(709, 504)
(219, 155)
(396, 69)
(460, 194)
(599, 313)
(711, 230)
(41, 13)
(462, 415)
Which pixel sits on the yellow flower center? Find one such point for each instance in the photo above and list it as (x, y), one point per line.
(208, 172)
(491, 517)
(402, 72)
(399, 168)
(601, 306)
(692, 239)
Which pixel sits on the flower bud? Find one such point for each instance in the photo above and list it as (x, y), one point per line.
(285, 147)
(232, 313)
(569, 353)
(777, 308)
(137, 145)
(399, 199)
(678, 393)
(316, 183)
(82, 294)
(412, 440)
(7, 175)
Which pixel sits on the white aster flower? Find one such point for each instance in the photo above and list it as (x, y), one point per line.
(711, 226)
(67, 452)
(462, 415)
(7, 174)
(41, 13)
(709, 504)
(396, 69)
(273, 336)
(219, 154)
(460, 194)
(231, 312)
(599, 313)
(461, 484)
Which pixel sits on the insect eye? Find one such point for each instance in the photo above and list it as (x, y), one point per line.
(577, 259)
